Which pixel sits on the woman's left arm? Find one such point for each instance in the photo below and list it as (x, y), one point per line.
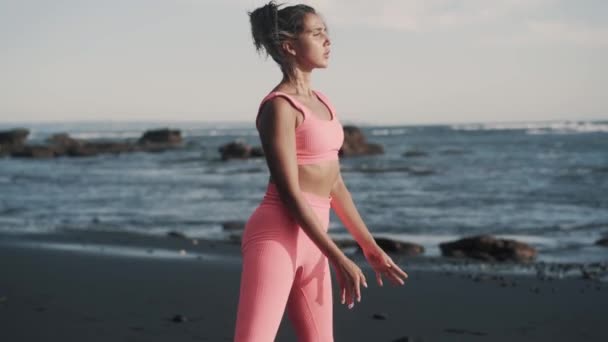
(343, 205)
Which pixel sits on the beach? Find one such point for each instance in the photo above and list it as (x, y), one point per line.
(141, 246)
(104, 286)
(469, 139)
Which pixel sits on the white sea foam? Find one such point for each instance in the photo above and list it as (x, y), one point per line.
(106, 135)
(388, 131)
(555, 127)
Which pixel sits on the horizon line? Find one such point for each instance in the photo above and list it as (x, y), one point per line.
(344, 122)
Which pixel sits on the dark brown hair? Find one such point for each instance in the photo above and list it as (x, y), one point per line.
(271, 26)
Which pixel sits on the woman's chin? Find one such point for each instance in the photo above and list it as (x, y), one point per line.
(324, 64)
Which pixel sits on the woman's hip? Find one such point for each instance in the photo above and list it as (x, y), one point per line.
(271, 220)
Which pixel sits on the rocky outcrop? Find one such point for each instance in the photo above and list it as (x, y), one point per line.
(257, 151)
(12, 140)
(345, 243)
(239, 150)
(398, 247)
(61, 144)
(163, 136)
(14, 137)
(489, 248)
(34, 151)
(356, 144)
(602, 242)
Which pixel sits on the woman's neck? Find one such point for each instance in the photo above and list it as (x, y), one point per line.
(299, 82)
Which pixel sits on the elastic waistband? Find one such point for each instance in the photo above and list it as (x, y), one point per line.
(272, 195)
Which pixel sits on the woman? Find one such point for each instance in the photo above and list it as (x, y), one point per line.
(285, 245)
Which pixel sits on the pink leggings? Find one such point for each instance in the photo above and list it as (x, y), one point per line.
(282, 268)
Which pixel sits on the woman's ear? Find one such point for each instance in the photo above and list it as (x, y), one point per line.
(288, 48)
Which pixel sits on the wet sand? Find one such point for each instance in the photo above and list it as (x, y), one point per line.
(93, 293)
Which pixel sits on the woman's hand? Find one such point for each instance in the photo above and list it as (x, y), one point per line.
(384, 265)
(350, 277)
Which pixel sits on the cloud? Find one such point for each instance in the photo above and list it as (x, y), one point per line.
(577, 33)
(492, 21)
(425, 15)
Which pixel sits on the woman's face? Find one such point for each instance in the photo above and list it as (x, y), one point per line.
(312, 47)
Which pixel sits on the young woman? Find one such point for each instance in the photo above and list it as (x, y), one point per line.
(285, 246)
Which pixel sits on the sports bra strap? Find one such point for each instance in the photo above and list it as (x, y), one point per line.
(326, 101)
(274, 94)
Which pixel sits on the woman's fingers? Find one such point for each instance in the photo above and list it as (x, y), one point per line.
(350, 278)
(357, 285)
(363, 280)
(398, 270)
(379, 278)
(396, 275)
(394, 278)
(349, 293)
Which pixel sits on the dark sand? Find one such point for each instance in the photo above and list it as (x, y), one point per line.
(89, 294)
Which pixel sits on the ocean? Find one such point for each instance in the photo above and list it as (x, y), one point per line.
(544, 183)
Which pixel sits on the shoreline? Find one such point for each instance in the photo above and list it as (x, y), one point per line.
(70, 295)
(154, 246)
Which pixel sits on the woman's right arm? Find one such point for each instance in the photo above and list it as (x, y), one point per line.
(276, 126)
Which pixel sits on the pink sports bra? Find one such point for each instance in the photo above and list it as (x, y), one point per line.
(316, 139)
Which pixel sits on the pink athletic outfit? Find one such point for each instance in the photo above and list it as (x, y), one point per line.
(282, 267)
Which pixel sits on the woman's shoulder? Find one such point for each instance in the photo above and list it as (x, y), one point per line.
(280, 101)
(275, 103)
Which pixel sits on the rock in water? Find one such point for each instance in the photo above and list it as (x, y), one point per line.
(602, 242)
(161, 136)
(489, 248)
(356, 144)
(398, 247)
(235, 150)
(14, 137)
(12, 140)
(34, 151)
(257, 151)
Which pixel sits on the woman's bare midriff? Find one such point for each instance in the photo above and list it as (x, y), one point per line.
(317, 178)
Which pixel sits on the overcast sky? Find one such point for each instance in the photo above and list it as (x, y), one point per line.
(393, 62)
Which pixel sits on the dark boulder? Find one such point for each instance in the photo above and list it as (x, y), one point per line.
(235, 150)
(161, 136)
(399, 247)
(12, 140)
(602, 242)
(100, 147)
(345, 243)
(64, 140)
(14, 137)
(356, 144)
(257, 151)
(489, 248)
(63, 144)
(34, 151)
